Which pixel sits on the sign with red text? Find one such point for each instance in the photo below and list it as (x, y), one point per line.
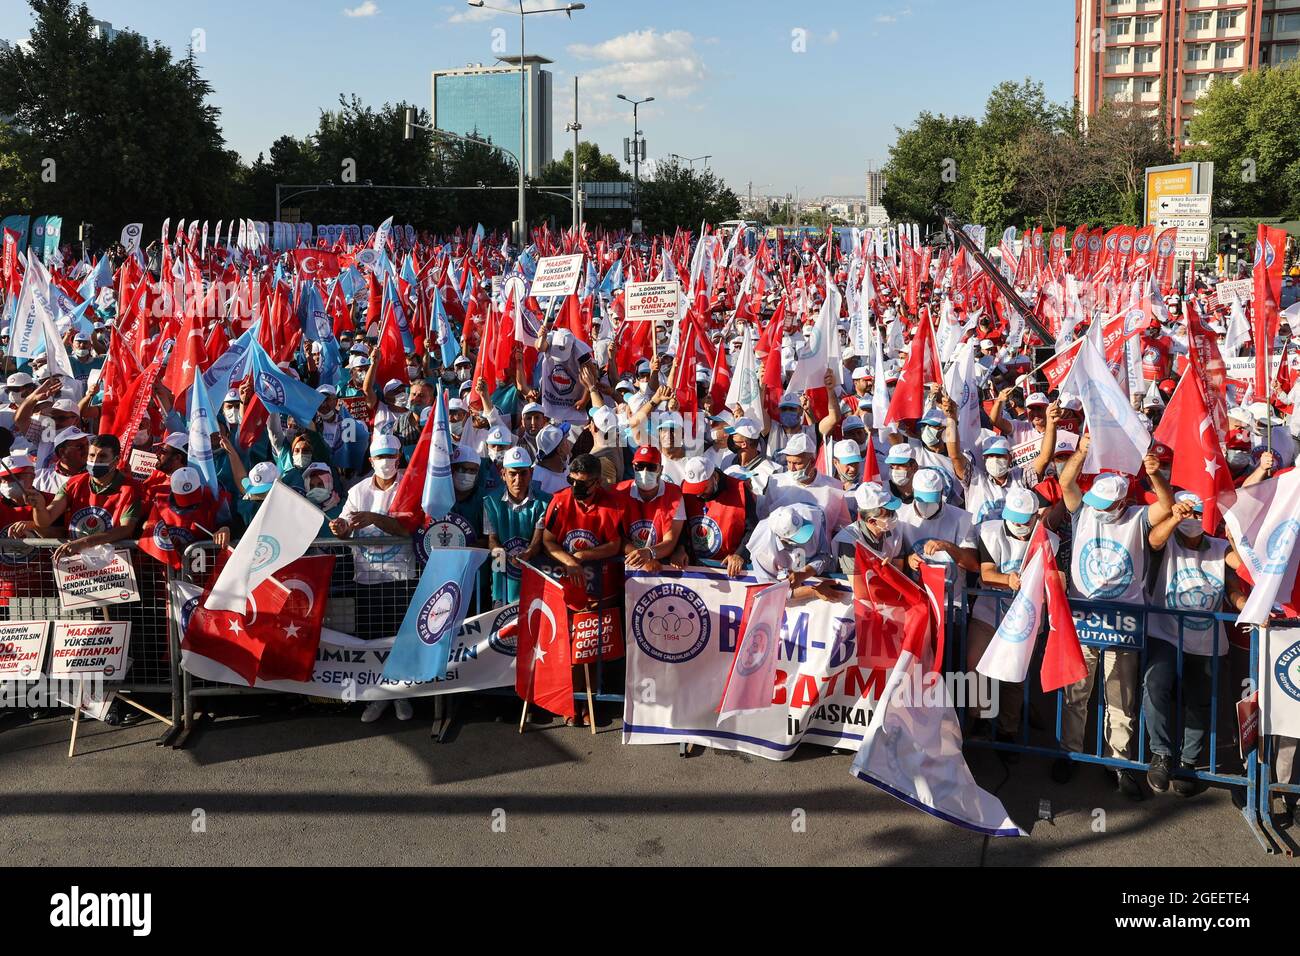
(651, 301)
(82, 648)
(22, 646)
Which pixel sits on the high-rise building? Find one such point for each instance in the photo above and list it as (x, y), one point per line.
(875, 186)
(1161, 55)
(484, 101)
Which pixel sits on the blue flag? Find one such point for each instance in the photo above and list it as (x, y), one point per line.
(449, 348)
(96, 279)
(281, 393)
(316, 327)
(433, 619)
(231, 365)
(392, 296)
(203, 422)
(439, 493)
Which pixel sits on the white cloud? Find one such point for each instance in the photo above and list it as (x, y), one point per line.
(894, 17)
(468, 14)
(641, 63)
(367, 9)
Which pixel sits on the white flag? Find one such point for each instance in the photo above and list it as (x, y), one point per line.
(912, 751)
(1238, 330)
(1264, 522)
(1279, 666)
(959, 381)
(1007, 656)
(56, 355)
(1119, 438)
(746, 389)
(823, 352)
(279, 534)
(879, 390)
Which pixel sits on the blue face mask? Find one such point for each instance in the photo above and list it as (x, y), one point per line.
(789, 419)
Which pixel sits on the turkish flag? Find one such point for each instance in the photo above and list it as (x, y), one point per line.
(544, 668)
(888, 608)
(1062, 663)
(290, 622)
(315, 264)
(391, 354)
(1199, 465)
(277, 638)
(922, 368)
(188, 356)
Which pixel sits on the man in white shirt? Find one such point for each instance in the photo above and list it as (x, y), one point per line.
(384, 575)
(551, 475)
(802, 483)
(938, 533)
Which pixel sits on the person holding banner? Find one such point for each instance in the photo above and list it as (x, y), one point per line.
(71, 446)
(791, 545)
(720, 517)
(874, 528)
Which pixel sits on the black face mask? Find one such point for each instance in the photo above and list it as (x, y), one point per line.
(99, 469)
(582, 489)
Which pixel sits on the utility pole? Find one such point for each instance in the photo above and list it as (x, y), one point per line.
(575, 127)
(637, 149)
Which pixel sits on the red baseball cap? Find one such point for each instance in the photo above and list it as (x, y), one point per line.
(647, 453)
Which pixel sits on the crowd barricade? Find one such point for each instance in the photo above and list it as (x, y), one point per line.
(28, 592)
(1100, 621)
(351, 608)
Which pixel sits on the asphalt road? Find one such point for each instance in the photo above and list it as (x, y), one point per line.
(315, 787)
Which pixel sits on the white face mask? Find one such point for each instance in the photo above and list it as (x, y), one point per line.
(463, 480)
(386, 468)
(1017, 529)
(928, 509)
(318, 495)
(647, 480)
(301, 459)
(231, 415)
(930, 434)
(1107, 517)
(83, 355)
(997, 466)
(496, 453)
(899, 476)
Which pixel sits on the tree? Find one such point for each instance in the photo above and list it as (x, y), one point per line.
(17, 180)
(1051, 166)
(1247, 128)
(116, 130)
(927, 168)
(593, 167)
(677, 195)
(1123, 140)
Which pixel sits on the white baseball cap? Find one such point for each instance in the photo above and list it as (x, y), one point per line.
(604, 419)
(798, 445)
(19, 380)
(871, 496)
(500, 436)
(900, 454)
(464, 455)
(848, 452)
(1036, 398)
(1106, 490)
(178, 440)
(549, 439)
(185, 481)
(384, 444)
(260, 478)
(71, 433)
(327, 390)
(696, 474)
(792, 527)
(747, 428)
(1019, 505)
(517, 457)
(861, 372)
(927, 485)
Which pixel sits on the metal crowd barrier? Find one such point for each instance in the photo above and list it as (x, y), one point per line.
(1250, 775)
(28, 593)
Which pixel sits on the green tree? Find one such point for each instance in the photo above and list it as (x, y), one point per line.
(677, 195)
(1122, 142)
(1246, 127)
(117, 130)
(927, 168)
(593, 167)
(17, 180)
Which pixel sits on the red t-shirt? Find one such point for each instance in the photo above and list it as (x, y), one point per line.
(90, 511)
(649, 523)
(579, 528)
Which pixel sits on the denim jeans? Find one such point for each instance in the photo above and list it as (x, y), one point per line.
(1160, 696)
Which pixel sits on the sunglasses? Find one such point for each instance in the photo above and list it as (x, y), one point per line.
(645, 467)
(573, 480)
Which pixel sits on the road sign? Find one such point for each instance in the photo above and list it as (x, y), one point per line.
(1184, 224)
(1200, 240)
(1196, 204)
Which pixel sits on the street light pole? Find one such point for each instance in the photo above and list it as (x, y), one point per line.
(636, 154)
(522, 237)
(575, 126)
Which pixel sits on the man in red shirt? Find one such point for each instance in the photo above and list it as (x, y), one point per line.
(654, 514)
(100, 506)
(583, 526)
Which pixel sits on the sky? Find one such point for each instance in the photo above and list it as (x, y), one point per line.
(789, 97)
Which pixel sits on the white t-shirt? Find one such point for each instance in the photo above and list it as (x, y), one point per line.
(1006, 553)
(377, 564)
(825, 492)
(1108, 562)
(951, 524)
(550, 482)
(984, 496)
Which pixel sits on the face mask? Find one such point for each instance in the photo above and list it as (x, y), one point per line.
(997, 467)
(1017, 529)
(413, 371)
(789, 419)
(99, 469)
(930, 435)
(928, 509)
(83, 355)
(318, 495)
(462, 376)
(10, 490)
(808, 474)
(301, 459)
(231, 415)
(1106, 517)
(647, 480)
(898, 476)
(495, 454)
(458, 428)
(463, 480)
(1191, 528)
(330, 415)
(582, 490)
(386, 468)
